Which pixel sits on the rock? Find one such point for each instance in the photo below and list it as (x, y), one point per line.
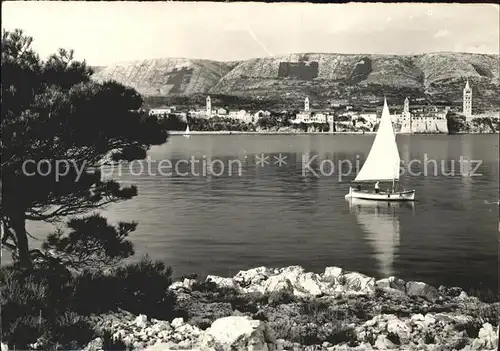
(308, 283)
(391, 283)
(252, 276)
(141, 321)
(235, 333)
(400, 328)
(160, 326)
(5, 347)
(186, 284)
(487, 338)
(128, 340)
(359, 283)
(221, 282)
(382, 343)
(137, 345)
(95, 345)
(331, 274)
(177, 322)
(422, 289)
(291, 273)
(277, 283)
(429, 320)
(159, 346)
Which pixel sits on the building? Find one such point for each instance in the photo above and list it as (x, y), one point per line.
(242, 116)
(160, 111)
(467, 100)
(208, 106)
(423, 119)
(261, 113)
(221, 111)
(369, 117)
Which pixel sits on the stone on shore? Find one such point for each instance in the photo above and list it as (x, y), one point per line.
(222, 282)
(236, 333)
(391, 283)
(185, 285)
(357, 282)
(252, 276)
(331, 273)
(278, 283)
(422, 289)
(487, 338)
(335, 310)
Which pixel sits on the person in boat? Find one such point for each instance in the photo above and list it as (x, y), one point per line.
(359, 187)
(377, 187)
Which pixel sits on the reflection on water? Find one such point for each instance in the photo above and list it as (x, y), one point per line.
(380, 223)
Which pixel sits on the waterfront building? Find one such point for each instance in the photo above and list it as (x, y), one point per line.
(310, 116)
(242, 116)
(423, 119)
(160, 111)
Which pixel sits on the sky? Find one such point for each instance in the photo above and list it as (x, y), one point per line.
(109, 32)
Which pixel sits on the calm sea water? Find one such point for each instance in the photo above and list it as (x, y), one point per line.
(277, 215)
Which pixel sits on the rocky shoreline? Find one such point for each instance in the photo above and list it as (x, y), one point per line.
(290, 309)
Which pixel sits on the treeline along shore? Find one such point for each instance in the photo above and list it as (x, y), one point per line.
(75, 291)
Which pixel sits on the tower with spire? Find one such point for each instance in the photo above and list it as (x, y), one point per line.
(209, 106)
(306, 104)
(406, 126)
(467, 109)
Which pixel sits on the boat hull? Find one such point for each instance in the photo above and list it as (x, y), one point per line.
(408, 195)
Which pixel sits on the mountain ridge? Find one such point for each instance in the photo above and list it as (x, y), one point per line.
(322, 76)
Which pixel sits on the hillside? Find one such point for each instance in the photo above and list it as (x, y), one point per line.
(439, 77)
(169, 76)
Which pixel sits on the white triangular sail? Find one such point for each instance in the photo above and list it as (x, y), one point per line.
(383, 160)
(187, 129)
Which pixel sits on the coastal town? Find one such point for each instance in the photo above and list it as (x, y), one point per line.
(408, 118)
(196, 176)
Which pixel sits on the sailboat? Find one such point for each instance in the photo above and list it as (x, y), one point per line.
(382, 165)
(187, 133)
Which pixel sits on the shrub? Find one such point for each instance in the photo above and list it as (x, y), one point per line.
(281, 297)
(205, 286)
(314, 307)
(471, 328)
(429, 338)
(138, 288)
(22, 331)
(45, 305)
(111, 344)
(306, 334)
(71, 331)
(340, 334)
(394, 338)
(21, 295)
